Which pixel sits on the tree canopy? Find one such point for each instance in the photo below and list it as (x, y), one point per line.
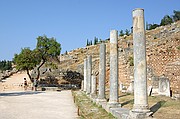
(26, 60)
(176, 15)
(166, 20)
(46, 49)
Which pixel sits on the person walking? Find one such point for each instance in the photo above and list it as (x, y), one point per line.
(25, 84)
(35, 83)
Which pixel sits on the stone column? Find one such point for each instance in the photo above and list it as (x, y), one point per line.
(113, 99)
(89, 72)
(102, 72)
(140, 80)
(85, 75)
(82, 85)
(93, 86)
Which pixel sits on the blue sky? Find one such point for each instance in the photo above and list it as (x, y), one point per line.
(71, 22)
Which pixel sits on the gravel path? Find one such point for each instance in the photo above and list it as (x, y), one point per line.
(37, 105)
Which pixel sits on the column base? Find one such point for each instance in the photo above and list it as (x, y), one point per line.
(101, 100)
(87, 93)
(140, 115)
(93, 95)
(140, 108)
(140, 112)
(113, 105)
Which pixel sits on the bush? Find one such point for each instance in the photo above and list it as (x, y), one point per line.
(178, 47)
(131, 61)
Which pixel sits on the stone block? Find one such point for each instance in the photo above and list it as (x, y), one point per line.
(164, 86)
(120, 113)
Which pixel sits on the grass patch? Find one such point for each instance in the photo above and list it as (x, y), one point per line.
(89, 109)
(178, 47)
(162, 106)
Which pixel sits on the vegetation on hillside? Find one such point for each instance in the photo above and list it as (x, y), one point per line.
(5, 65)
(166, 20)
(96, 41)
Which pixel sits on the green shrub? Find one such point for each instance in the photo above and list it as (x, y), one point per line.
(131, 61)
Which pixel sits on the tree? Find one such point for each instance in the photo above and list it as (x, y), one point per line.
(95, 40)
(87, 42)
(127, 32)
(46, 49)
(166, 20)
(121, 33)
(100, 40)
(152, 26)
(66, 52)
(176, 15)
(90, 42)
(147, 26)
(26, 60)
(5, 65)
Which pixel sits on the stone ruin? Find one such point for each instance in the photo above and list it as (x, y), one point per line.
(62, 79)
(138, 85)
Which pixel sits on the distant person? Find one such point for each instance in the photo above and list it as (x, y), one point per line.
(25, 84)
(35, 85)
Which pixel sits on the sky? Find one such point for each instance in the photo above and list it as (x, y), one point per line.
(71, 22)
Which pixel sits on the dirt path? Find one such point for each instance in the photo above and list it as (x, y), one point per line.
(37, 105)
(14, 82)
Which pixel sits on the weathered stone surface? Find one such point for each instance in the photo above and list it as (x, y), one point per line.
(82, 85)
(89, 73)
(113, 99)
(85, 74)
(164, 86)
(131, 87)
(120, 113)
(140, 81)
(102, 71)
(93, 85)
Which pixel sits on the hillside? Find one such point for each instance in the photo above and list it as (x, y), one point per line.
(163, 56)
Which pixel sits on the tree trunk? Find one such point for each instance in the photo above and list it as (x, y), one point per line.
(29, 75)
(38, 69)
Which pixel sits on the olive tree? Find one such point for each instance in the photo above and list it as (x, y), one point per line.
(26, 60)
(46, 49)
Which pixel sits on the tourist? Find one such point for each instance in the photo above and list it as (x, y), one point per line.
(35, 84)
(25, 84)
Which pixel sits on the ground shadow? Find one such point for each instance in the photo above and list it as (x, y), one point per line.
(124, 95)
(158, 105)
(19, 93)
(127, 102)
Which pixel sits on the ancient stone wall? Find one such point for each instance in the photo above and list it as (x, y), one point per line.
(162, 53)
(164, 60)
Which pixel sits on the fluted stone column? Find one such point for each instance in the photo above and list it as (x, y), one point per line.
(102, 72)
(93, 86)
(140, 80)
(85, 75)
(89, 72)
(113, 99)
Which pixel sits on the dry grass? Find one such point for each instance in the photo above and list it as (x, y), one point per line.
(163, 107)
(88, 109)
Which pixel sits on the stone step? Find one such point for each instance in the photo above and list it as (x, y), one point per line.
(120, 113)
